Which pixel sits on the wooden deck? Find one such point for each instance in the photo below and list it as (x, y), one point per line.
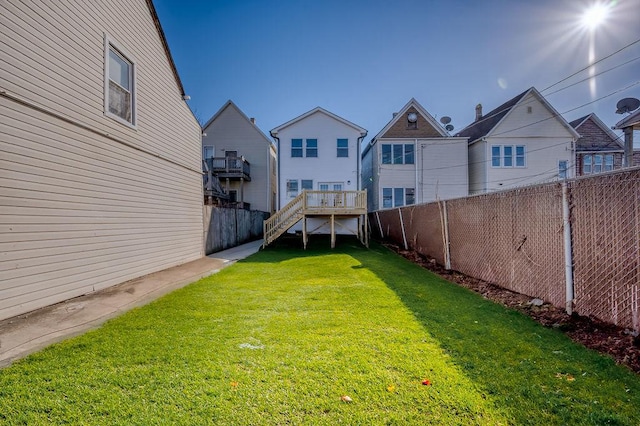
(328, 205)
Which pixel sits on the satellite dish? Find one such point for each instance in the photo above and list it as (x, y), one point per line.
(627, 105)
(445, 120)
(449, 127)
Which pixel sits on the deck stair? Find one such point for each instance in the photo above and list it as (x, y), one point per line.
(326, 205)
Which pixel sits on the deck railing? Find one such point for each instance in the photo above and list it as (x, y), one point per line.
(314, 203)
(230, 167)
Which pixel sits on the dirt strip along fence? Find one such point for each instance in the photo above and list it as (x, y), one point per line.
(518, 240)
(229, 227)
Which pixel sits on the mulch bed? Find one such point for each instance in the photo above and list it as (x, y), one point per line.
(603, 337)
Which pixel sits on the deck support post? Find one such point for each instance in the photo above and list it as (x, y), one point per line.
(333, 231)
(305, 237)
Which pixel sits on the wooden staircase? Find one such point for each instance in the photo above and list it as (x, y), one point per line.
(327, 205)
(283, 219)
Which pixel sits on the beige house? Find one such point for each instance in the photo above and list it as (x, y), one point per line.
(100, 165)
(242, 157)
(413, 160)
(522, 142)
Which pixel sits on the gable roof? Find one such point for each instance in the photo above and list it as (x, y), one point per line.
(163, 39)
(363, 132)
(485, 126)
(598, 144)
(412, 103)
(632, 120)
(230, 104)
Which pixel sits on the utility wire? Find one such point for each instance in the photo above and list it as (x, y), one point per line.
(591, 64)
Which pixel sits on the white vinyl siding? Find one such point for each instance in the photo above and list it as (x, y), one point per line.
(86, 202)
(65, 74)
(82, 213)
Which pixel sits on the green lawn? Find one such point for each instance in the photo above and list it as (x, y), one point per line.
(281, 337)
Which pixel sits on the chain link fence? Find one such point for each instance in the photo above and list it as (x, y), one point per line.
(606, 246)
(516, 239)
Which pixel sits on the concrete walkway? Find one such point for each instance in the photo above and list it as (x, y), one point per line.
(28, 333)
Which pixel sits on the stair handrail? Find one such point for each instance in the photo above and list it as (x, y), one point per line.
(282, 217)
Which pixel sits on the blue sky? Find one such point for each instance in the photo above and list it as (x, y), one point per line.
(363, 60)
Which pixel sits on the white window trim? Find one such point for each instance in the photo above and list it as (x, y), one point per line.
(108, 41)
(502, 156)
(393, 196)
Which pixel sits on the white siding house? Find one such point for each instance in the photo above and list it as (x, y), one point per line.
(318, 151)
(100, 167)
(231, 138)
(414, 160)
(522, 142)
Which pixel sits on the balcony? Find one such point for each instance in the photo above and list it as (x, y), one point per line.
(233, 168)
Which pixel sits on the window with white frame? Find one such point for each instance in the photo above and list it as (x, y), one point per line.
(563, 165)
(597, 163)
(398, 197)
(292, 188)
(586, 165)
(397, 154)
(208, 152)
(120, 99)
(343, 147)
(608, 162)
(330, 186)
(312, 148)
(296, 147)
(508, 156)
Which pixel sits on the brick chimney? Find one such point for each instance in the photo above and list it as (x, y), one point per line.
(478, 112)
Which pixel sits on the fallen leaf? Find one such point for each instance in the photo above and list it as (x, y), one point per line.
(234, 384)
(570, 378)
(346, 398)
(426, 382)
(391, 388)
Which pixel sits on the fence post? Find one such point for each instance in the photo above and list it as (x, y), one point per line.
(445, 230)
(379, 225)
(568, 261)
(404, 235)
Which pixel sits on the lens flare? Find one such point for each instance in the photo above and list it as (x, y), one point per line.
(595, 15)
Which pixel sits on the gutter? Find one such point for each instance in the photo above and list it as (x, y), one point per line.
(277, 139)
(359, 160)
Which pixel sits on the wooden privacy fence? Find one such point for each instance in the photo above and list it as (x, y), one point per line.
(575, 244)
(229, 227)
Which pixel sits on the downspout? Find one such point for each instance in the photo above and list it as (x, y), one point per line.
(359, 158)
(277, 139)
(415, 162)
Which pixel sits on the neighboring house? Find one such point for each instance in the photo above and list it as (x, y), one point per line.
(100, 165)
(243, 158)
(522, 142)
(319, 151)
(629, 125)
(598, 149)
(413, 160)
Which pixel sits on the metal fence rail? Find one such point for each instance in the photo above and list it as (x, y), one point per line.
(516, 239)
